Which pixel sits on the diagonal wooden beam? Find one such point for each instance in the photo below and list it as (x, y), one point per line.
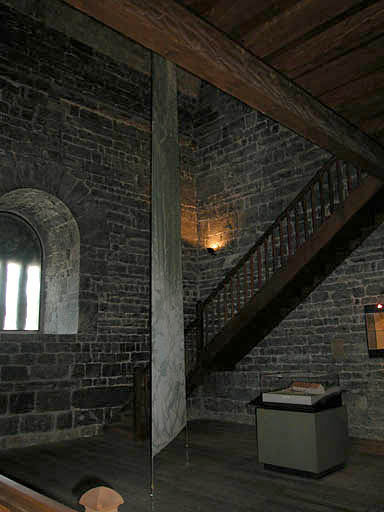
(172, 31)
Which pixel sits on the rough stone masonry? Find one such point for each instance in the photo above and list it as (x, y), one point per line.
(75, 124)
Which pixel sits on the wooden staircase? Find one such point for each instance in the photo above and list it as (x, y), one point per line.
(327, 220)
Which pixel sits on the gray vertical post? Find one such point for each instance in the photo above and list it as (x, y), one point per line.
(168, 365)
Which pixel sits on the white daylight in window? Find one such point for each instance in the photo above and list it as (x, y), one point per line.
(11, 295)
(33, 298)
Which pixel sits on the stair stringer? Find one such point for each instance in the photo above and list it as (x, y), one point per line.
(336, 238)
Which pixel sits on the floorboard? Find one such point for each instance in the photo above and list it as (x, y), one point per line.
(220, 473)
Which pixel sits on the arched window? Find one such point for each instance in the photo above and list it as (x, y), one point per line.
(20, 274)
(39, 212)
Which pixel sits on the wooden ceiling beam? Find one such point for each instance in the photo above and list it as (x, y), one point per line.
(353, 91)
(292, 24)
(347, 68)
(236, 13)
(220, 10)
(174, 32)
(374, 126)
(199, 6)
(363, 109)
(350, 33)
(227, 15)
(266, 10)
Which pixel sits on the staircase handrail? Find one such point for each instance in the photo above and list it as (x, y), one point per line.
(297, 223)
(268, 231)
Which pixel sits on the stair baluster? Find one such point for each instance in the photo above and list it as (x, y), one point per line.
(276, 248)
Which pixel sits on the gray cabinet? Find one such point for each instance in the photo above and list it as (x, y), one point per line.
(310, 442)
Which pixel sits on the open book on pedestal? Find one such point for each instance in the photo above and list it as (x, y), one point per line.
(301, 393)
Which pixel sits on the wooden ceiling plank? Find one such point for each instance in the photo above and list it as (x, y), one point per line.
(366, 108)
(199, 6)
(380, 137)
(354, 90)
(293, 23)
(194, 3)
(266, 10)
(350, 33)
(375, 125)
(218, 10)
(174, 32)
(226, 15)
(189, 2)
(350, 67)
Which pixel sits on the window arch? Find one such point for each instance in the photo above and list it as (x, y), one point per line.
(20, 274)
(59, 235)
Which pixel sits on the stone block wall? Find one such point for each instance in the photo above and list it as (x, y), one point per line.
(75, 124)
(248, 169)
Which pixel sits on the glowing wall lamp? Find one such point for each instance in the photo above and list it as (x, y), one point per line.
(212, 249)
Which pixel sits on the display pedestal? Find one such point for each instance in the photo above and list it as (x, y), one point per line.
(308, 443)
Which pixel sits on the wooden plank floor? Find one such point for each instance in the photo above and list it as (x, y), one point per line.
(223, 474)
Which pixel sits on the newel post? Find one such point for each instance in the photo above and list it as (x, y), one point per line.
(101, 499)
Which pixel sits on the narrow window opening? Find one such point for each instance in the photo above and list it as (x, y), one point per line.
(20, 274)
(33, 297)
(12, 296)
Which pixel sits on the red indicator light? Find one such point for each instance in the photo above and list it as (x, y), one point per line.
(380, 306)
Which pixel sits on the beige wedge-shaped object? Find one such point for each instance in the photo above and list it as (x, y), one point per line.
(101, 499)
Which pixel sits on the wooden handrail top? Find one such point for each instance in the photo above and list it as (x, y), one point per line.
(15, 497)
(269, 230)
(19, 498)
(299, 224)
